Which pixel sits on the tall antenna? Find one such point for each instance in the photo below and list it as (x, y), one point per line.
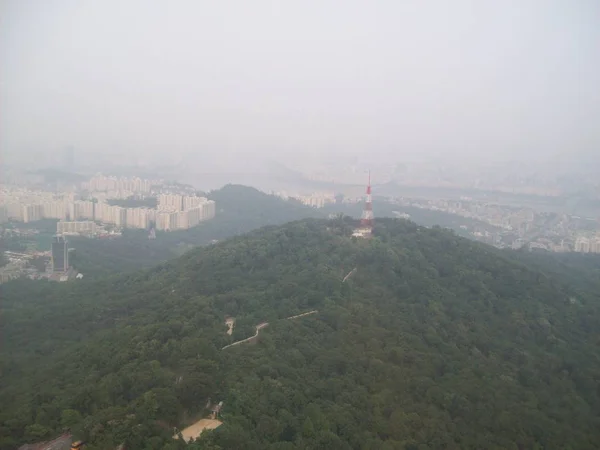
(367, 215)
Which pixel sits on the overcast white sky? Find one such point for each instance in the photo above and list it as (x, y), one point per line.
(301, 78)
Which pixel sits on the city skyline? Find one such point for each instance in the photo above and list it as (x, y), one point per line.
(173, 211)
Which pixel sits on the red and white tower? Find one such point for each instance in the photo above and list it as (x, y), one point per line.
(367, 215)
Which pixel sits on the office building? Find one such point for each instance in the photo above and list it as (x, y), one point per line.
(60, 254)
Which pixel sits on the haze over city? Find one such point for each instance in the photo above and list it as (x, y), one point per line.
(228, 85)
(291, 225)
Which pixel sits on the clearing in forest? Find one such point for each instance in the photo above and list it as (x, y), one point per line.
(230, 322)
(196, 429)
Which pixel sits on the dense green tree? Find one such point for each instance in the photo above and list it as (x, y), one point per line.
(434, 342)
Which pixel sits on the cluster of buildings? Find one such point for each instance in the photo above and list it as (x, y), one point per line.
(15, 268)
(102, 183)
(87, 227)
(180, 212)
(315, 199)
(54, 264)
(174, 211)
(515, 227)
(103, 187)
(24, 205)
(587, 244)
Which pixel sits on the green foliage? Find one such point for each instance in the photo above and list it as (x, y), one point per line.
(240, 209)
(434, 342)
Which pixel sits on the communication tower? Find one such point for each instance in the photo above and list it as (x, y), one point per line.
(367, 215)
(366, 222)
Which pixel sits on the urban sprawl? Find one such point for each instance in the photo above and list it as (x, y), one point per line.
(79, 212)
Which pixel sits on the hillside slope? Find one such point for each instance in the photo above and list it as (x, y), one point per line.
(240, 209)
(434, 342)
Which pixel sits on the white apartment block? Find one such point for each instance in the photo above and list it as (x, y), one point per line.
(104, 213)
(81, 210)
(193, 202)
(316, 200)
(31, 213)
(120, 216)
(56, 210)
(174, 212)
(14, 211)
(182, 220)
(209, 209)
(587, 245)
(166, 221)
(86, 226)
(114, 215)
(140, 217)
(102, 183)
(170, 202)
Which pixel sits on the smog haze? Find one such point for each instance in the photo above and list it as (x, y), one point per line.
(234, 82)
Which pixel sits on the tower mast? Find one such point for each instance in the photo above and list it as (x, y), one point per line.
(367, 215)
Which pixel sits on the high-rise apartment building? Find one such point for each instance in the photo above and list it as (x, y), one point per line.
(101, 183)
(81, 210)
(193, 202)
(56, 210)
(170, 202)
(120, 216)
(60, 254)
(139, 217)
(167, 221)
(209, 210)
(31, 213)
(14, 211)
(582, 245)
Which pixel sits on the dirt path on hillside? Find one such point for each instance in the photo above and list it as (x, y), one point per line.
(260, 326)
(349, 275)
(302, 315)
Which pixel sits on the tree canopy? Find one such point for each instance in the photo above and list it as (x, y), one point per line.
(434, 342)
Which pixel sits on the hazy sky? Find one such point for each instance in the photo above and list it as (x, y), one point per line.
(397, 78)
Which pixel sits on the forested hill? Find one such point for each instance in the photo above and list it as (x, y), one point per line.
(433, 342)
